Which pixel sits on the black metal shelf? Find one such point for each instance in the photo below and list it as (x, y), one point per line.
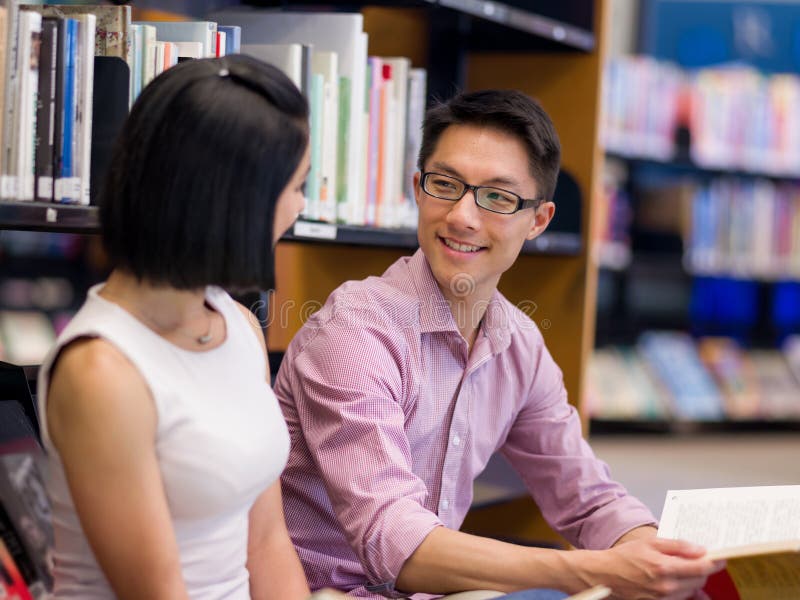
(529, 22)
(44, 216)
(489, 24)
(63, 218)
(556, 243)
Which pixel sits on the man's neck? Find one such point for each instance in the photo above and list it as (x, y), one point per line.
(468, 313)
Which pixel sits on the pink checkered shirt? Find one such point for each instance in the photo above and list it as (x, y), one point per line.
(392, 418)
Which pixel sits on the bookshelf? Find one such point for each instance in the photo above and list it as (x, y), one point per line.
(553, 53)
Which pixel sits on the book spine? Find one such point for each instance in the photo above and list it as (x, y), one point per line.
(342, 149)
(64, 183)
(83, 146)
(27, 149)
(58, 116)
(46, 109)
(8, 180)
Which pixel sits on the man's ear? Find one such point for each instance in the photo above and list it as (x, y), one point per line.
(417, 189)
(544, 214)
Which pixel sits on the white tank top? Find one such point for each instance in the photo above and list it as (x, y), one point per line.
(221, 440)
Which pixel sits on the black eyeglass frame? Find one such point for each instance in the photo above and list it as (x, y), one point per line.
(522, 203)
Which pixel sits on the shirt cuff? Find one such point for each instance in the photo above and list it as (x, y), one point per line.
(611, 522)
(399, 537)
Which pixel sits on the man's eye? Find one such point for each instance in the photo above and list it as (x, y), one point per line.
(444, 184)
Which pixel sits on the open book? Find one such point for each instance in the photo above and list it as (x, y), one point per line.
(757, 529)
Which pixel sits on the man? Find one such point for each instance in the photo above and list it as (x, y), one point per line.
(399, 390)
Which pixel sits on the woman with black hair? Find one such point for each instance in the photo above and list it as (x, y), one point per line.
(165, 439)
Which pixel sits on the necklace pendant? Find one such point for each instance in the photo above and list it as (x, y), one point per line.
(204, 339)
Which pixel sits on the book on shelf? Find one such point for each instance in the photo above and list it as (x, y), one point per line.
(619, 387)
(233, 38)
(735, 375)
(636, 383)
(674, 359)
(326, 65)
(204, 32)
(342, 33)
(755, 529)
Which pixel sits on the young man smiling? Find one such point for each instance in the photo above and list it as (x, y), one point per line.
(400, 389)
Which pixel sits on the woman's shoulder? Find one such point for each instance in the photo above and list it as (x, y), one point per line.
(93, 381)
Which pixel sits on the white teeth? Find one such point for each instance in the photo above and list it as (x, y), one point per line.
(460, 247)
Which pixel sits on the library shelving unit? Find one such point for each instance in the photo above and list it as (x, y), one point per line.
(656, 260)
(552, 51)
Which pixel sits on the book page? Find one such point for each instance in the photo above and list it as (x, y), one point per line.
(727, 517)
(771, 576)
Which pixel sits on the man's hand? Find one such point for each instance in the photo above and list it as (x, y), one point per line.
(648, 569)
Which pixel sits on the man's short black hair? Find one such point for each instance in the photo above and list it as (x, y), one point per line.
(509, 111)
(189, 199)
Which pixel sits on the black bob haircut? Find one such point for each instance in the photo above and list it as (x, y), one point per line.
(189, 198)
(509, 111)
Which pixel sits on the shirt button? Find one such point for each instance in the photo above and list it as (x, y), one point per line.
(445, 504)
(456, 440)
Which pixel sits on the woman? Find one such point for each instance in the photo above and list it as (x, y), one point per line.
(165, 439)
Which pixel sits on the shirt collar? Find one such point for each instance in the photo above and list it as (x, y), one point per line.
(435, 314)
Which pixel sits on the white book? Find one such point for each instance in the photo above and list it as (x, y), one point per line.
(334, 32)
(161, 48)
(8, 179)
(287, 57)
(326, 64)
(189, 49)
(204, 32)
(221, 42)
(396, 169)
(417, 93)
(82, 146)
(171, 49)
(148, 54)
(30, 28)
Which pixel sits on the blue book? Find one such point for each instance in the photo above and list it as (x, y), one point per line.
(233, 38)
(673, 358)
(63, 193)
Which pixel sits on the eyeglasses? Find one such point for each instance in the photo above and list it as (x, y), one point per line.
(493, 199)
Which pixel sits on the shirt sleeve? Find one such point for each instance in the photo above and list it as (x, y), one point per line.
(349, 383)
(572, 487)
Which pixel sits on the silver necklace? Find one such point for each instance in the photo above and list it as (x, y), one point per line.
(207, 336)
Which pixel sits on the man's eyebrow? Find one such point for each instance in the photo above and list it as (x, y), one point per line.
(446, 169)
